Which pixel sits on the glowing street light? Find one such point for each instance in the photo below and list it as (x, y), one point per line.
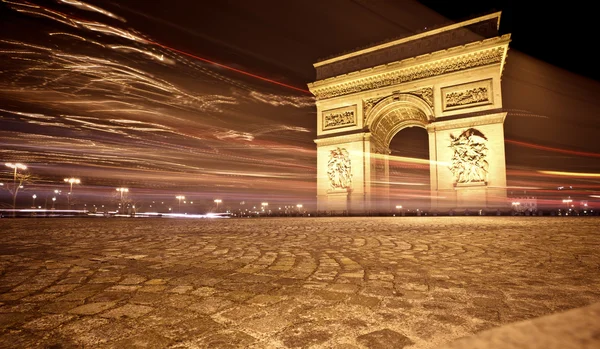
(53, 200)
(17, 166)
(218, 201)
(180, 197)
(567, 202)
(122, 190)
(71, 181)
(33, 196)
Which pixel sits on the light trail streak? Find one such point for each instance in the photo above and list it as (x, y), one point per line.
(110, 30)
(87, 7)
(571, 174)
(117, 112)
(557, 150)
(229, 68)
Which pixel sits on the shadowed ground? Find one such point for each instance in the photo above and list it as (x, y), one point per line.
(393, 282)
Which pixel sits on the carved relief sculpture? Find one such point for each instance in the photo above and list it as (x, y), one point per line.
(469, 163)
(472, 94)
(479, 59)
(370, 103)
(339, 169)
(475, 95)
(335, 120)
(425, 94)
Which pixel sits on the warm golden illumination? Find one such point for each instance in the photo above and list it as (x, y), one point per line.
(361, 108)
(72, 181)
(16, 166)
(571, 174)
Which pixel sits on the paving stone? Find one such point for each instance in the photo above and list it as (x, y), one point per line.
(146, 340)
(92, 308)
(227, 340)
(242, 312)
(268, 324)
(181, 289)
(128, 310)
(574, 329)
(385, 338)
(262, 283)
(306, 339)
(48, 322)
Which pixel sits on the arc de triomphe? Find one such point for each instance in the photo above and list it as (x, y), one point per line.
(445, 80)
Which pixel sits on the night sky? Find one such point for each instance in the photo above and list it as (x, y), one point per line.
(127, 93)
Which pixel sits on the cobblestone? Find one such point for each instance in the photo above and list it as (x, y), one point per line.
(351, 282)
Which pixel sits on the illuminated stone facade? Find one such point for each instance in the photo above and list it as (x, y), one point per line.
(453, 91)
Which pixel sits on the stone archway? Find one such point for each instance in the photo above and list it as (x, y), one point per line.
(453, 92)
(385, 119)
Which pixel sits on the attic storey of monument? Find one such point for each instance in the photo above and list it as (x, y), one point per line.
(447, 81)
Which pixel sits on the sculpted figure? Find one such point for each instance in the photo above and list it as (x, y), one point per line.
(339, 169)
(469, 162)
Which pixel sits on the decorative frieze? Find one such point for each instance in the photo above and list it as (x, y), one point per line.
(472, 121)
(370, 103)
(467, 95)
(421, 71)
(340, 117)
(469, 163)
(425, 94)
(339, 169)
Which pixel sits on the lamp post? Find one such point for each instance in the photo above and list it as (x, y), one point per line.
(71, 181)
(516, 206)
(17, 166)
(399, 208)
(218, 201)
(122, 190)
(53, 200)
(33, 196)
(568, 203)
(180, 197)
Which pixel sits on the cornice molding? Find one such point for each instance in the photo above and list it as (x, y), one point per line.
(472, 121)
(407, 71)
(332, 140)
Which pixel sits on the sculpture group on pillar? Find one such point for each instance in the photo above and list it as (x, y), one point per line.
(339, 169)
(469, 164)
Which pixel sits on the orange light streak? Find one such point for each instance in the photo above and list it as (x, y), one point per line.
(227, 67)
(558, 150)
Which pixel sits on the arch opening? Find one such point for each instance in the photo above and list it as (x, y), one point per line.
(409, 170)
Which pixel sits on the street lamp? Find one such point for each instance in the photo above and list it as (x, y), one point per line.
(516, 206)
(568, 202)
(180, 197)
(122, 190)
(33, 196)
(53, 200)
(399, 208)
(71, 181)
(17, 166)
(218, 201)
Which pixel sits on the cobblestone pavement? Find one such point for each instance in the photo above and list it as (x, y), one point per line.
(385, 282)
